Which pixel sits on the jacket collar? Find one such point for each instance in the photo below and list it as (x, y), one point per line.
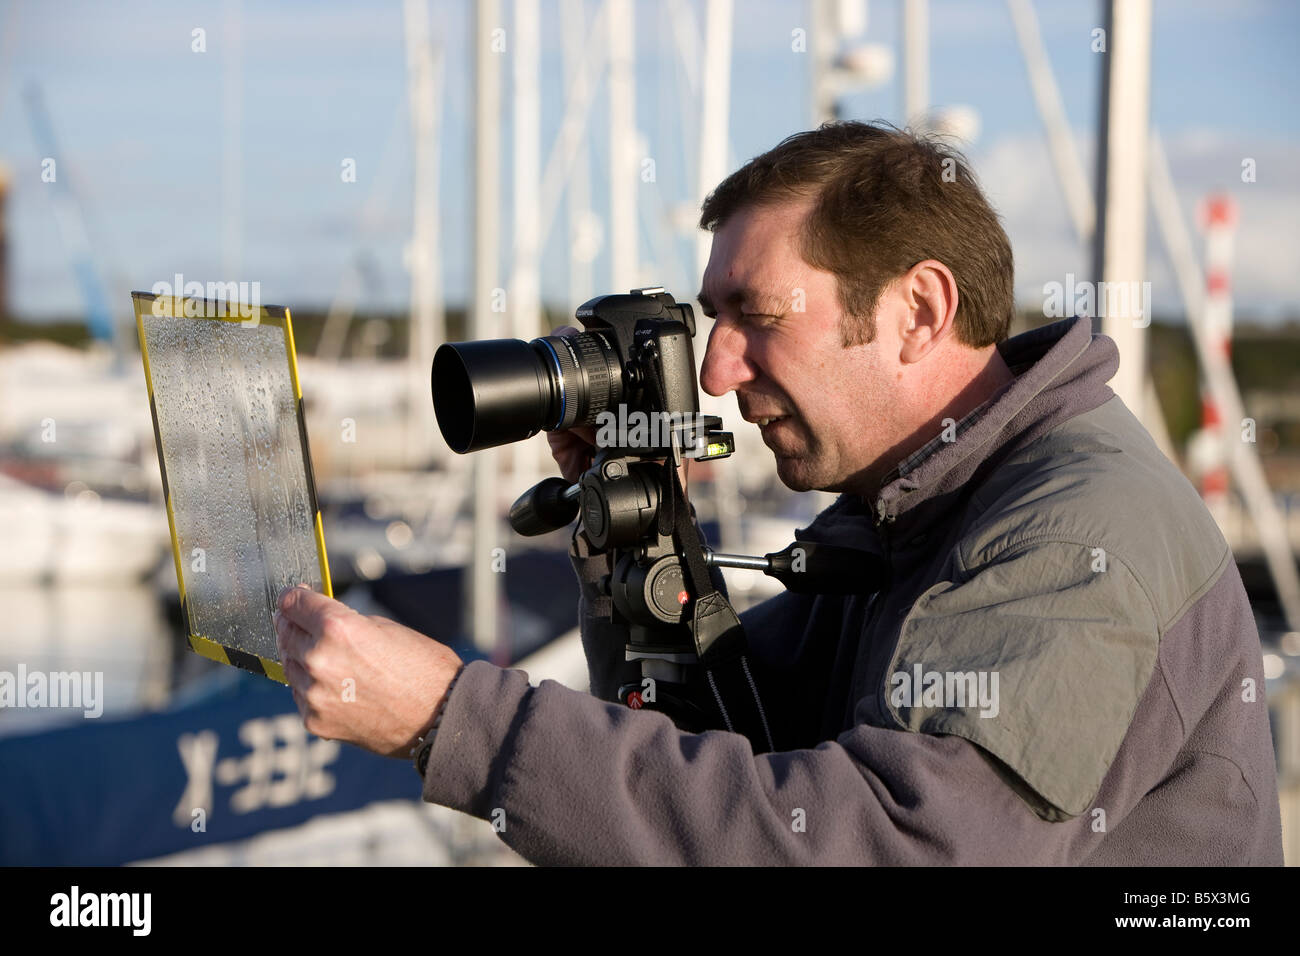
(1061, 371)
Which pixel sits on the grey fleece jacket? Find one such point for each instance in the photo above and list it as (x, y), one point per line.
(1062, 668)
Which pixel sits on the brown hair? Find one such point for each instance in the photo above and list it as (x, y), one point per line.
(886, 200)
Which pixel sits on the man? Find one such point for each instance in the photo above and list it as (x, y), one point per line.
(1060, 666)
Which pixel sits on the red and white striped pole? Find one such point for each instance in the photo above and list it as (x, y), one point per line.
(1218, 218)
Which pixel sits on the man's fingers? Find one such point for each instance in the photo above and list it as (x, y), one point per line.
(572, 450)
(573, 463)
(290, 639)
(305, 710)
(310, 610)
(299, 696)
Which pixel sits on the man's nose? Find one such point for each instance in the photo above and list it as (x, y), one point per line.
(725, 367)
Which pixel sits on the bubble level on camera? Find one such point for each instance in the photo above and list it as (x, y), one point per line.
(720, 445)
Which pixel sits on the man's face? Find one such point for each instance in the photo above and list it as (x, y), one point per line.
(831, 404)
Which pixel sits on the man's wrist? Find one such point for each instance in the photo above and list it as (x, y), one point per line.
(424, 743)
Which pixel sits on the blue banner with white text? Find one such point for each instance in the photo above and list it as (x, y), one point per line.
(112, 792)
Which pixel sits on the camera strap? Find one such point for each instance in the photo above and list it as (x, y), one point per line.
(719, 636)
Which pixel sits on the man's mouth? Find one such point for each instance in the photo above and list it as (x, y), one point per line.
(762, 420)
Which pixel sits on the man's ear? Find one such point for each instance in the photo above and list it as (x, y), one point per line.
(929, 291)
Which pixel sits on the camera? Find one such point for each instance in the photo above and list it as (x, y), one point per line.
(631, 374)
(633, 359)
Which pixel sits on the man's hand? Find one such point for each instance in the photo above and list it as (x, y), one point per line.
(574, 449)
(364, 680)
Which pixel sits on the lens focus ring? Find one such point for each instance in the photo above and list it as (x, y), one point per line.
(602, 377)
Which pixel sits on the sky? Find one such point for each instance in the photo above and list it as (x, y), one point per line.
(142, 121)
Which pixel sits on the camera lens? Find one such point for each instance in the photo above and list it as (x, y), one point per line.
(498, 391)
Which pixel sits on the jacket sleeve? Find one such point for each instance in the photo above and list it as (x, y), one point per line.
(569, 779)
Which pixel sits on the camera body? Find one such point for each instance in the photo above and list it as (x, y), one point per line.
(630, 375)
(650, 334)
(497, 391)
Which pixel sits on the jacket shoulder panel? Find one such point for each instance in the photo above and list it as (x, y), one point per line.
(1100, 480)
(1036, 658)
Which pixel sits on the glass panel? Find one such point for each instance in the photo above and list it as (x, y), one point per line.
(228, 422)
